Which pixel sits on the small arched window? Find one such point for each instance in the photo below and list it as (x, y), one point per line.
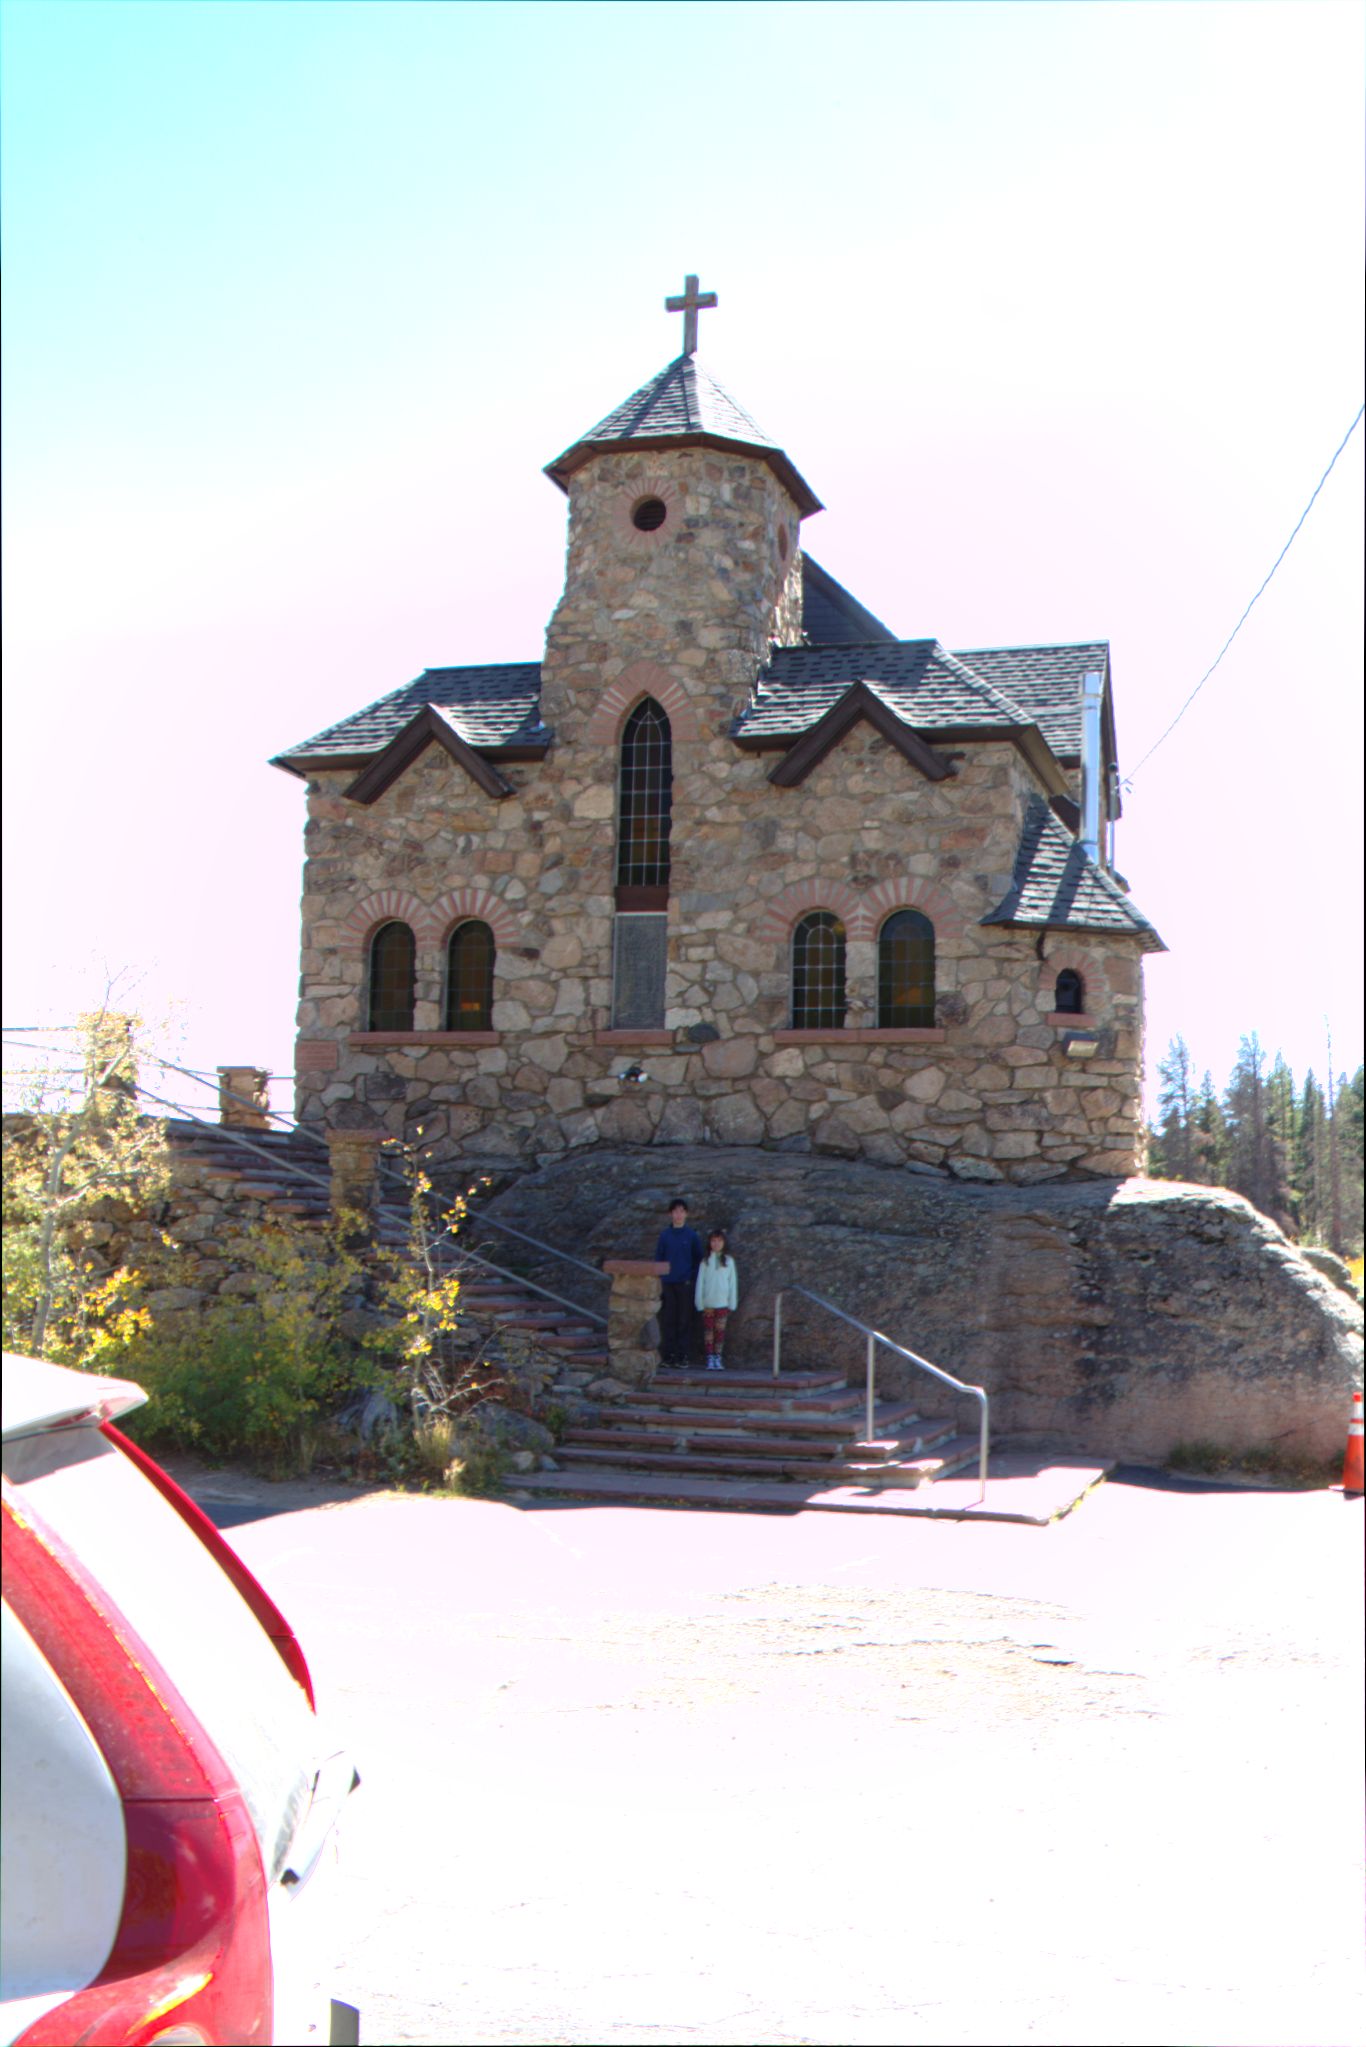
(469, 978)
(393, 978)
(1069, 993)
(645, 798)
(818, 973)
(905, 973)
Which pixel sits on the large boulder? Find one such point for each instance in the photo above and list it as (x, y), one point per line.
(1121, 1317)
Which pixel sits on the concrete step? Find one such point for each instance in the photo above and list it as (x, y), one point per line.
(679, 1444)
(897, 1427)
(795, 1382)
(799, 1464)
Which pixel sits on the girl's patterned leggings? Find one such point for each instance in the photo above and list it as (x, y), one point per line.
(714, 1328)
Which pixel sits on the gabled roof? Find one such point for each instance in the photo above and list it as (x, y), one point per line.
(1056, 887)
(1047, 681)
(920, 680)
(862, 701)
(683, 406)
(494, 709)
(832, 616)
(427, 727)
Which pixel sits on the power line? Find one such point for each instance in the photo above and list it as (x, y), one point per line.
(1129, 778)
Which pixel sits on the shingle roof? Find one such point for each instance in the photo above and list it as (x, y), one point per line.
(489, 707)
(832, 616)
(918, 679)
(682, 403)
(1047, 681)
(1055, 885)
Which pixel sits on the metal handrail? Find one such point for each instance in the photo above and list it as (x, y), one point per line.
(478, 1219)
(875, 1337)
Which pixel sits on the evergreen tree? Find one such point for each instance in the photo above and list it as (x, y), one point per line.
(1311, 1161)
(1210, 1143)
(1174, 1150)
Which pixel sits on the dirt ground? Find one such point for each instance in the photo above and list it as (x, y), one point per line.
(648, 1775)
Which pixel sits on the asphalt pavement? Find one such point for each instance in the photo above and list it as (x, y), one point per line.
(662, 1776)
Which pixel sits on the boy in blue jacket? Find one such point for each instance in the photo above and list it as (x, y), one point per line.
(681, 1248)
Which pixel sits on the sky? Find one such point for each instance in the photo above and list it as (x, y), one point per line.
(1057, 308)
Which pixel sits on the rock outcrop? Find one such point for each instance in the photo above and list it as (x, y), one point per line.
(1122, 1317)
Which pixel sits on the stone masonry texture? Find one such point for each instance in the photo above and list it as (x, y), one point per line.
(687, 615)
(1118, 1318)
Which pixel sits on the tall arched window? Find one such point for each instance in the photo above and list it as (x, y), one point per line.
(645, 799)
(393, 976)
(469, 978)
(818, 973)
(905, 973)
(1069, 993)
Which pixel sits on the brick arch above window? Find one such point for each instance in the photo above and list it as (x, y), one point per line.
(910, 893)
(784, 911)
(641, 679)
(458, 905)
(389, 906)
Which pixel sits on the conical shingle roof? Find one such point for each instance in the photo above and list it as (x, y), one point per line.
(683, 406)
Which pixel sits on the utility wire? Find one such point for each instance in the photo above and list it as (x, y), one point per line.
(1129, 778)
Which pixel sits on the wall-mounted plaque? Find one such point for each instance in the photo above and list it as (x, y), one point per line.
(640, 956)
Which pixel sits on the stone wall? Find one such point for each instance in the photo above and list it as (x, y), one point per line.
(1116, 1318)
(686, 615)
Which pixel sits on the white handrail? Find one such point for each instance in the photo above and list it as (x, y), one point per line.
(875, 1337)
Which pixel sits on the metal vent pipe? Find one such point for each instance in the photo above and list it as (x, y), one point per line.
(1092, 687)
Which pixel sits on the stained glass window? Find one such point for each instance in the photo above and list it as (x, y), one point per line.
(469, 978)
(393, 960)
(645, 799)
(818, 973)
(905, 973)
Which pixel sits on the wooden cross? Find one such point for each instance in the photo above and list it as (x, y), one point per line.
(689, 305)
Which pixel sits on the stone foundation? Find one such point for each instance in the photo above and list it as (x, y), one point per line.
(1121, 1318)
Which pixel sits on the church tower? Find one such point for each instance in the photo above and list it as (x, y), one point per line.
(683, 553)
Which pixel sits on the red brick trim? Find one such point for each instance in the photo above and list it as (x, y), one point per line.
(641, 679)
(370, 1041)
(1068, 1020)
(636, 1268)
(459, 905)
(670, 494)
(869, 1036)
(782, 911)
(633, 1037)
(917, 1034)
(390, 905)
(909, 892)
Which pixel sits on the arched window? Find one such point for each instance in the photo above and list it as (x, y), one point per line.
(469, 978)
(905, 973)
(645, 802)
(1069, 993)
(393, 964)
(818, 973)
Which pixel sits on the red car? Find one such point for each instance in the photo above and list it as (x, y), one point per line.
(170, 1803)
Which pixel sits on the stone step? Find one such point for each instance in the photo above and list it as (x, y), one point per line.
(720, 1394)
(896, 1424)
(799, 1465)
(680, 1444)
(803, 1382)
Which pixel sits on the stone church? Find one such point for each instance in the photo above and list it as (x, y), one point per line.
(731, 862)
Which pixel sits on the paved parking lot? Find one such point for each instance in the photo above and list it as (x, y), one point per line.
(641, 1775)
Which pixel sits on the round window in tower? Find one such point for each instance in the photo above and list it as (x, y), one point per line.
(649, 515)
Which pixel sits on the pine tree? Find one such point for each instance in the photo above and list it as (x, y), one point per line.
(1210, 1143)
(1311, 1148)
(1174, 1151)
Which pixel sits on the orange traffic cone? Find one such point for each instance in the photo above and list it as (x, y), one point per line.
(1352, 1481)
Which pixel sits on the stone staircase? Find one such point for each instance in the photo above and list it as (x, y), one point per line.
(281, 1173)
(746, 1427)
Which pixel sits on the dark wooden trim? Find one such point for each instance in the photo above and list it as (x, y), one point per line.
(427, 726)
(1066, 812)
(632, 897)
(795, 484)
(857, 702)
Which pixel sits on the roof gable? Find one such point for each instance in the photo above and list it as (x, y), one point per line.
(859, 703)
(429, 726)
(494, 709)
(833, 616)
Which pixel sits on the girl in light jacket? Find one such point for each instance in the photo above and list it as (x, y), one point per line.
(716, 1295)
